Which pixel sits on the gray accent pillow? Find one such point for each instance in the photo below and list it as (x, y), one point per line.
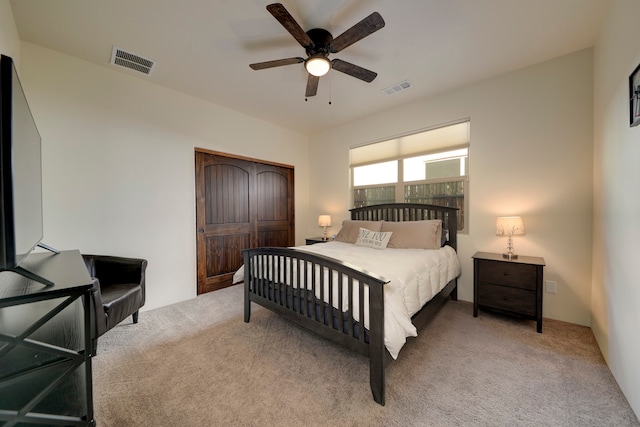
(414, 234)
(351, 228)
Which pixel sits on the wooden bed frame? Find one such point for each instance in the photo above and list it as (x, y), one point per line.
(269, 271)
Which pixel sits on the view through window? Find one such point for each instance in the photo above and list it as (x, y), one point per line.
(427, 167)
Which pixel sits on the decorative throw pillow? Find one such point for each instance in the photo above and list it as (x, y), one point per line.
(373, 239)
(415, 234)
(350, 229)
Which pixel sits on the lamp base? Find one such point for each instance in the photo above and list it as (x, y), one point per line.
(509, 254)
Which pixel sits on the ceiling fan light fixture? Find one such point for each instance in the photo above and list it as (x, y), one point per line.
(317, 65)
(318, 43)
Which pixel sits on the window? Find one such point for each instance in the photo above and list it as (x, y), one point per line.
(428, 167)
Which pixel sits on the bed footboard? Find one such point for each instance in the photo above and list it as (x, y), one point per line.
(329, 297)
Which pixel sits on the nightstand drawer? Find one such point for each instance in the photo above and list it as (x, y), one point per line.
(506, 298)
(509, 274)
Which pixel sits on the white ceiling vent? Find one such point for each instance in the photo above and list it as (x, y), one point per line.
(397, 87)
(130, 60)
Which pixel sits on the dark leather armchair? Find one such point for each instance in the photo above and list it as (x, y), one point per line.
(118, 290)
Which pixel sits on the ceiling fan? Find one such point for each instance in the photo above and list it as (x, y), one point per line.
(319, 43)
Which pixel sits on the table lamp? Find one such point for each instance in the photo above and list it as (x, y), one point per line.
(324, 221)
(510, 226)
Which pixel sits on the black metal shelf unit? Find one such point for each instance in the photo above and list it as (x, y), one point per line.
(45, 344)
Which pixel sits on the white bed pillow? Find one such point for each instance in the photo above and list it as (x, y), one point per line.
(373, 239)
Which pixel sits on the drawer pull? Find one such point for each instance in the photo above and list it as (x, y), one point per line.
(506, 273)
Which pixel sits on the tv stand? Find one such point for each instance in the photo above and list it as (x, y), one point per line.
(46, 344)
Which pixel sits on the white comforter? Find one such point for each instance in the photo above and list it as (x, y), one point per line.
(415, 276)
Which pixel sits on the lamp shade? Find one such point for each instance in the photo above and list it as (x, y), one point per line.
(317, 65)
(324, 221)
(509, 226)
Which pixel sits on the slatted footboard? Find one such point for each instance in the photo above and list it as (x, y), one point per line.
(323, 295)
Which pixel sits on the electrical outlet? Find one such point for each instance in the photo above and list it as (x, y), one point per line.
(551, 286)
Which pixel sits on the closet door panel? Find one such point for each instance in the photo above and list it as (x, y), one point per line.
(226, 194)
(224, 222)
(224, 254)
(274, 214)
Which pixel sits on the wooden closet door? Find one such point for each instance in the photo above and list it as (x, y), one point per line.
(274, 206)
(240, 204)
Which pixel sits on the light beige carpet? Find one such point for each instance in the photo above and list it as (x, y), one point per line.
(196, 363)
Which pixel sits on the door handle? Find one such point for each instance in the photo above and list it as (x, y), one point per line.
(201, 230)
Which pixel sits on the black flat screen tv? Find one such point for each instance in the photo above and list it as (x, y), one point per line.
(21, 218)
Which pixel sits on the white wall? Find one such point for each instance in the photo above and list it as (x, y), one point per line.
(616, 279)
(9, 39)
(118, 164)
(531, 155)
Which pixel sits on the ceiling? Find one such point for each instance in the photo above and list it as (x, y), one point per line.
(203, 48)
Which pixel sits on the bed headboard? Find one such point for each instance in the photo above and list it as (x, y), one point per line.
(397, 212)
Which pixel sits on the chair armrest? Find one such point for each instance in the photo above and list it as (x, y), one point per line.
(114, 270)
(99, 318)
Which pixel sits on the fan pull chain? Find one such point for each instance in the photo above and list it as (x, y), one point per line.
(328, 77)
(329, 83)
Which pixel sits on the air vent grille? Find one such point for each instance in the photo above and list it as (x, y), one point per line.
(132, 61)
(397, 87)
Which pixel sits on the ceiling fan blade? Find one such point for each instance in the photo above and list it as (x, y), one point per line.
(353, 70)
(312, 85)
(275, 63)
(362, 29)
(280, 13)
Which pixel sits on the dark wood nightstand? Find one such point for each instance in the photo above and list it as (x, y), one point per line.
(508, 286)
(314, 240)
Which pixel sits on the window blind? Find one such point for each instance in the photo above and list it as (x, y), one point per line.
(446, 136)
